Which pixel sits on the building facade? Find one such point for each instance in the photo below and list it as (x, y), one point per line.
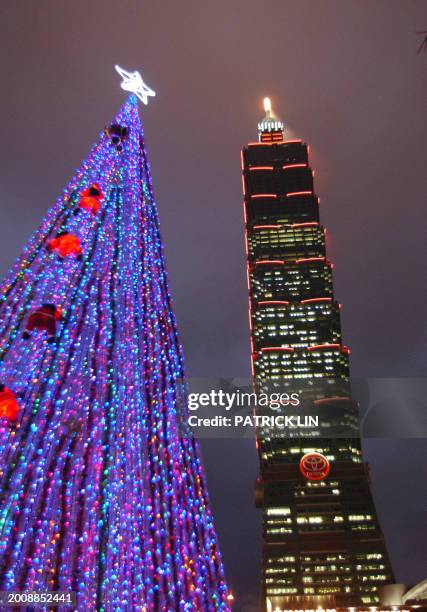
(322, 543)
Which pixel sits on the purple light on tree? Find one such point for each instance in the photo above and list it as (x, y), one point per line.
(103, 492)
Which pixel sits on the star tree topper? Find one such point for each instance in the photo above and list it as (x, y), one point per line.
(132, 81)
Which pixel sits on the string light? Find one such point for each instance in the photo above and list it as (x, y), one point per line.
(103, 489)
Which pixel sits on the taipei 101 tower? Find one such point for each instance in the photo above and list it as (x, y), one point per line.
(322, 543)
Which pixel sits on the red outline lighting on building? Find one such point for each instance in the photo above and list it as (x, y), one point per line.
(306, 224)
(320, 299)
(273, 303)
(255, 168)
(298, 193)
(269, 349)
(288, 166)
(269, 144)
(257, 227)
(315, 347)
(269, 261)
(306, 259)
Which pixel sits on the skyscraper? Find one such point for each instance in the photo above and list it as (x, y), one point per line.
(321, 537)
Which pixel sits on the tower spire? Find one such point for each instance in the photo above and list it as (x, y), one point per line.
(270, 129)
(267, 108)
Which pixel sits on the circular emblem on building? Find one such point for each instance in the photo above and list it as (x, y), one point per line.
(314, 466)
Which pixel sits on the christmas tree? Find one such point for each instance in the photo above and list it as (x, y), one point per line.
(102, 488)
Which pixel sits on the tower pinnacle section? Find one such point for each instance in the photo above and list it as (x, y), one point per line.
(270, 129)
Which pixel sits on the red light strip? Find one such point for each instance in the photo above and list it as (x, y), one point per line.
(316, 347)
(311, 259)
(243, 178)
(266, 227)
(307, 224)
(298, 193)
(264, 195)
(247, 269)
(298, 261)
(255, 168)
(294, 166)
(257, 144)
(269, 261)
(273, 302)
(326, 400)
(287, 349)
(321, 299)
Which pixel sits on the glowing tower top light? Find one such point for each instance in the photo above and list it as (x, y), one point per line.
(270, 129)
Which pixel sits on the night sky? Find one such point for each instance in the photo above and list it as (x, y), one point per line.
(345, 76)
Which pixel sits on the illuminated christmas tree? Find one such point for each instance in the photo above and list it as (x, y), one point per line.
(103, 492)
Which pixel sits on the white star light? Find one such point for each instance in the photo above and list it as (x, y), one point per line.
(132, 81)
